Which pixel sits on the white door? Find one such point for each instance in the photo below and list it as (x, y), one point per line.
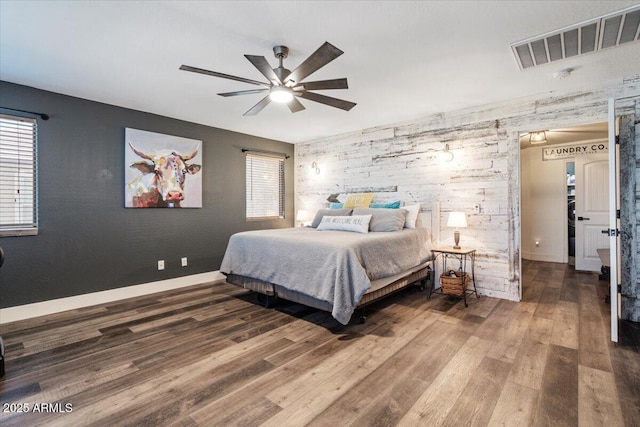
(592, 209)
(614, 241)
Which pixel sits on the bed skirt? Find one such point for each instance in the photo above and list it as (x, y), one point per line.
(423, 274)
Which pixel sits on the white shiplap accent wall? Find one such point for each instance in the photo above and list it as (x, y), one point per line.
(485, 170)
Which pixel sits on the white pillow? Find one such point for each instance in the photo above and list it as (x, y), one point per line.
(412, 215)
(357, 223)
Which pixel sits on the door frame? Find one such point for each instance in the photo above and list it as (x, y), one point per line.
(613, 172)
(610, 117)
(614, 204)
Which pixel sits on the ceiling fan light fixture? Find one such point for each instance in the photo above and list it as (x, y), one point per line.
(539, 137)
(281, 94)
(285, 86)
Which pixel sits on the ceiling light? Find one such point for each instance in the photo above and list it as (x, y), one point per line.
(539, 137)
(281, 94)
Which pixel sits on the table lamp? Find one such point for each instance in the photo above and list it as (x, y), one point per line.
(457, 220)
(303, 216)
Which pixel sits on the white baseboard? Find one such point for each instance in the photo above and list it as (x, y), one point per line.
(28, 311)
(496, 294)
(532, 256)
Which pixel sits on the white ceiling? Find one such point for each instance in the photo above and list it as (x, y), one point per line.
(403, 59)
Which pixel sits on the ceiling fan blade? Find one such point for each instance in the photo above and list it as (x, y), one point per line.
(295, 105)
(324, 84)
(258, 107)
(318, 59)
(334, 102)
(244, 92)
(260, 62)
(224, 76)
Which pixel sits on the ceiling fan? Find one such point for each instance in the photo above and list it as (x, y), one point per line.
(286, 86)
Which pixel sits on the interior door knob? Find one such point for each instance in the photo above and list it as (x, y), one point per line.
(581, 218)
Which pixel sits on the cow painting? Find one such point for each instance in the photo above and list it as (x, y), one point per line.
(160, 177)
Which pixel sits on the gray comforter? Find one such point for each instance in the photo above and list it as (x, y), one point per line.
(332, 266)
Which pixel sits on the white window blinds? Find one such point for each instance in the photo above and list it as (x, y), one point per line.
(18, 181)
(265, 187)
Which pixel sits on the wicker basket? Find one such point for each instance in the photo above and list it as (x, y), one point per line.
(454, 283)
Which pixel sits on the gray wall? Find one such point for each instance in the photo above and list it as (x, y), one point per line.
(88, 241)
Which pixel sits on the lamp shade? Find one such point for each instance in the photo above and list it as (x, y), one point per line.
(303, 215)
(539, 137)
(457, 220)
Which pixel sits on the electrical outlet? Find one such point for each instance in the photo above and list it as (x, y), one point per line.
(161, 264)
(476, 208)
(184, 261)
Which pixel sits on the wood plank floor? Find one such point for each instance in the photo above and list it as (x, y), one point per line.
(209, 355)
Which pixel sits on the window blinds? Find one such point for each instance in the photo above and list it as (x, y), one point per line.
(265, 187)
(18, 181)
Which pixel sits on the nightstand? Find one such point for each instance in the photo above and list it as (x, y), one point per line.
(462, 255)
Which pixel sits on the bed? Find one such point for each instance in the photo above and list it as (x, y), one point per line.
(332, 270)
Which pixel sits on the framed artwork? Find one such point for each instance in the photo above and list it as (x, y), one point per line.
(162, 171)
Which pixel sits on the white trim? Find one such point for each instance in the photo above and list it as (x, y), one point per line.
(545, 257)
(28, 311)
(614, 241)
(496, 294)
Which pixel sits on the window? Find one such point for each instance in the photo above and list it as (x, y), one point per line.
(265, 187)
(18, 181)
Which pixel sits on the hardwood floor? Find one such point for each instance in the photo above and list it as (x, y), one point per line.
(210, 355)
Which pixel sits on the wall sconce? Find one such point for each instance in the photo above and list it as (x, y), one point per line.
(539, 137)
(446, 155)
(314, 165)
(457, 220)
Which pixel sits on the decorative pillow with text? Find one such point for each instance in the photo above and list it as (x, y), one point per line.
(328, 212)
(357, 223)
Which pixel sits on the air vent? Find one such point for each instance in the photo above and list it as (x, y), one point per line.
(593, 35)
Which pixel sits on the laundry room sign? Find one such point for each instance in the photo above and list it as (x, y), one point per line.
(573, 150)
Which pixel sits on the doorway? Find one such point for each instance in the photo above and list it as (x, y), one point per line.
(564, 186)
